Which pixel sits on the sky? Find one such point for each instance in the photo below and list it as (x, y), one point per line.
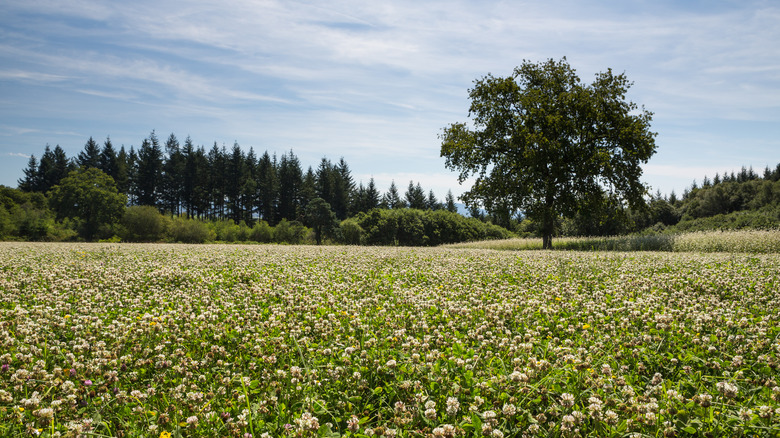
(376, 82)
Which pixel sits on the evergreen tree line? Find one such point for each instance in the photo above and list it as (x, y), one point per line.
(221, 183)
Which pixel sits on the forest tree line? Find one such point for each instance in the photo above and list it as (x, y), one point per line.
(222, 183)
(183, 193)
(235, 191)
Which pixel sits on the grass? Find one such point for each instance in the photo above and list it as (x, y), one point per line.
(754, 241)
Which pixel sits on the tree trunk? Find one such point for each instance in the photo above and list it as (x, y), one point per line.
(548, 224)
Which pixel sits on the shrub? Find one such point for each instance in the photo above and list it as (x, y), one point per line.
(412, 227)
(351, 232)
(190, 231)
(262, 232)
(290, 232)
(143, 223)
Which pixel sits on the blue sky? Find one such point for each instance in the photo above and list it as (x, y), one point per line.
(375, 82)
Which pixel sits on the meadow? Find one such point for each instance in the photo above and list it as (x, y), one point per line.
(125, 340)
(735, 241)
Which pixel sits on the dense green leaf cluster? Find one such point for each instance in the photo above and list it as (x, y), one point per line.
(411, 227)
(543, 143)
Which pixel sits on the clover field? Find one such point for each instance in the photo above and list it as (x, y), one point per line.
(100, 340)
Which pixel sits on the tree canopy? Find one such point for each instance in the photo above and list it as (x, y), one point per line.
(542, 142)
(90, 196)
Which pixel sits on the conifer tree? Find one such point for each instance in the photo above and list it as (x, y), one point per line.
(392, 199)
(432, 203)
(373, 199)
(188, 178)
(415, 196)
(290, 181)
(248, 195)
(30, 182)
(308, 189)
(234, 181)
(90, 156)
(450, 202)
(172, 175)
(46, 171)
(267, 188)
(343, 189)
(150, 170)
(216, 187)
(108, 162)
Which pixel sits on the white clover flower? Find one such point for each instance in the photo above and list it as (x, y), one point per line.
(453, 405)
(567, 400)
(509, 410)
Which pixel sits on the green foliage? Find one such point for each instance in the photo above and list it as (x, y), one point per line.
(765, 219)
(544, 143)
(144, 223)
(408, 227)
(351, 232)
(292, 232)
(91, 196)
(190, 231)
(262, 232)
(321, 218)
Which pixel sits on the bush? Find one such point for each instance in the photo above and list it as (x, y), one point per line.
(423, 228)
(262, 232)
(143, 223)
(351, 232)
(292, 232)
(190, 231)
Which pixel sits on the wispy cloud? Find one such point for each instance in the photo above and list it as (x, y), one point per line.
(17, 154)
(30, 76)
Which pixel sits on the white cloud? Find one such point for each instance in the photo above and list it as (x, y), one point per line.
(17, 154)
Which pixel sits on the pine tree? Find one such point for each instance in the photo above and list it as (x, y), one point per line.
(216, 187)
(392, 199)
(108, 162)
(90, 156)
(325, 181)
(47, 171)
(415, 196)
(31, 180)
(188, 178)
(290, 181)
(267, 188)
(234, 181)
(172, 175)
(200, 188)
(249, 188)
(132, 177)
(450, 202)
(432, 203)
(373, 198)
(343, 189)
(308, 188)
(150, 168)
(122, 171)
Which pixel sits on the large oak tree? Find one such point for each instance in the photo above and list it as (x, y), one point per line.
(542, 142)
